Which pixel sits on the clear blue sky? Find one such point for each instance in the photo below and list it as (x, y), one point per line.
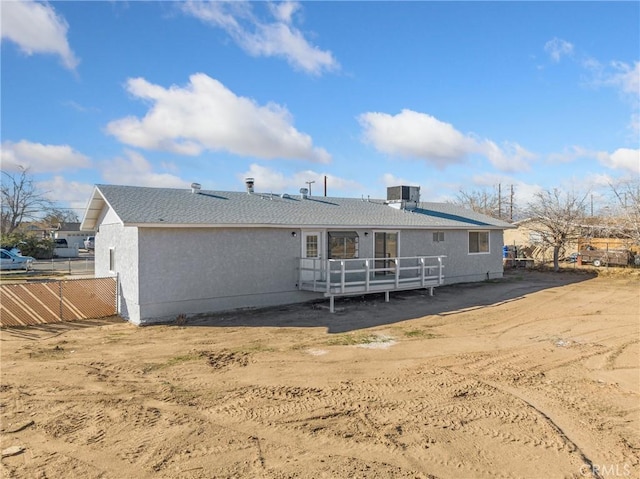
(447, 96)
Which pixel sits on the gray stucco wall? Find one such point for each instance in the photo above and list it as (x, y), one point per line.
(123, 240)
(459, 265)
(200, 270)
(165, 272)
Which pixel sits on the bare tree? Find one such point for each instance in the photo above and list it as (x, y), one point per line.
(498, 203)
(480, 201)
(57, 216)
(627, 209)
(557, 219)
(21, 200)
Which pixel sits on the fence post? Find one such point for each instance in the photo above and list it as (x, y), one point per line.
(61, 305)
(118, 293)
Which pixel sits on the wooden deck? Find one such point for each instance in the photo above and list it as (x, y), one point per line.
(352, 277)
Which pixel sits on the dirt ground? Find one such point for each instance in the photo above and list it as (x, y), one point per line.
(533, 376)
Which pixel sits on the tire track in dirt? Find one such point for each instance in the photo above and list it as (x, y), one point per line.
(593, 470)
(530, 406)
(611, 359)
(407, 418)
(525, 371)
(546, 305)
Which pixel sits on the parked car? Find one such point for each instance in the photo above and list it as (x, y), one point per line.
(90, 242)
(572, 258)
(9, 260)
(16, 248)
(600, 257)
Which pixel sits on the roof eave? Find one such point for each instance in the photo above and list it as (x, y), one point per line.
(314, 226)
(94, 209)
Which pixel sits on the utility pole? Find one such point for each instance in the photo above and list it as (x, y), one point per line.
(309, 183)
(511, 205)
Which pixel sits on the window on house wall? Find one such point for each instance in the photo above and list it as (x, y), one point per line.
(343, 244)
(438, 236)
(112, 259)
(478, 241)
(312, 246)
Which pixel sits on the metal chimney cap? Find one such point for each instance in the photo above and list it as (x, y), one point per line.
(195, 187)
(249, 183)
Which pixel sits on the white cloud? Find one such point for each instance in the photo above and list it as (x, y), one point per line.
(595, 181)
(135, 170)
(623, 159)
(619, 75)
(278, 38)
(557, 48)
(37, 28)
(72, 193)
(626, 77)
(418, 135)
(634, 125)
(575, 153)
(268, 180)
(205, 115)
(391, 180)
(39, 158)
(510, 157)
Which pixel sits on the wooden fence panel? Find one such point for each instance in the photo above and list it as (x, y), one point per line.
(56, 301)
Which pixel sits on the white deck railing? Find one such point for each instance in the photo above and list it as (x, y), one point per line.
(343, 277)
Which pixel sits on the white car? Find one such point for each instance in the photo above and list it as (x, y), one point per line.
(9, 260)
(90, 242)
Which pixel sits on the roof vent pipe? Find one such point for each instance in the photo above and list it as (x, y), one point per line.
(304, 192)
(195, 187)
(249, 182)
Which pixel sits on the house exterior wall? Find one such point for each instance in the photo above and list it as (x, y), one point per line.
(201, 270)
(165, 272)
(459, 265)
(123, 241)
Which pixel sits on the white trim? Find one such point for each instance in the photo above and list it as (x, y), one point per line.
(305, 235)
(488, 242)
(337, 227)
(373, 234)
(112, 259)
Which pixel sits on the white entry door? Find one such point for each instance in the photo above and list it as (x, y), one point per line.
(311, 255)
(386, 251)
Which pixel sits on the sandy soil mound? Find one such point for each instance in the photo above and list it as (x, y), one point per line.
(534, 376)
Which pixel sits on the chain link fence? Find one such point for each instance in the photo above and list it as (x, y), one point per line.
(54, 301)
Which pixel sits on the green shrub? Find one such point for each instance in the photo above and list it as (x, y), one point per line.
(29, 244)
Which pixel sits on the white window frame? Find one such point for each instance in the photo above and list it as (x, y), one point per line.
(306, 234)
(112, 260)
(487, 232)
(373, 239)
(342, 233)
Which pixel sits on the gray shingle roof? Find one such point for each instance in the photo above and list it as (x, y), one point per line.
(143, 206)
